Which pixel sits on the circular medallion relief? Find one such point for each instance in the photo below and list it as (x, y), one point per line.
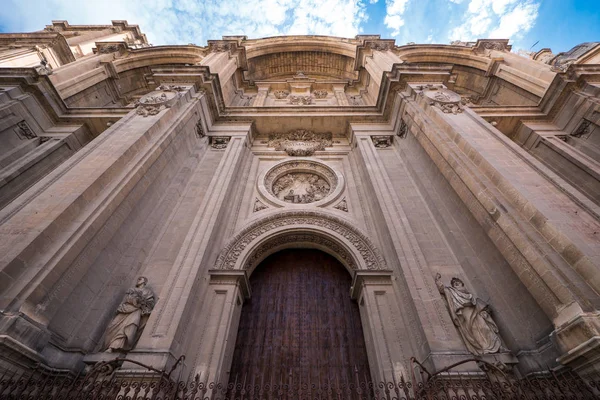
(442, 95)
(301, 187)
(301, 181)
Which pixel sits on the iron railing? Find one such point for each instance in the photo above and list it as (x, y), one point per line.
(104, 381)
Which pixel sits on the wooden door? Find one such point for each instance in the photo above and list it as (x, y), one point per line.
(300, 325)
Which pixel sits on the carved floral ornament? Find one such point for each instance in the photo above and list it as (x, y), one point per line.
(301, 182)
(333, 233)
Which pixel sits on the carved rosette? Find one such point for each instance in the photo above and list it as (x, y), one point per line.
(335, 233)
(300, 182)
(444, 99)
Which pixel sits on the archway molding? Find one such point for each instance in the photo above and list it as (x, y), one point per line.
(300, 228)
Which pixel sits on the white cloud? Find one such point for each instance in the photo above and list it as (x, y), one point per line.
(500, 19)
(519, 19)
(394, 13)
(195, 21)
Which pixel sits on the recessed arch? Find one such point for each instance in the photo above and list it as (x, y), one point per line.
(312, 229)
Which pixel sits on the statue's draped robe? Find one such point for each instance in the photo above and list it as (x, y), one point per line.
(472, 318)
(132, 315)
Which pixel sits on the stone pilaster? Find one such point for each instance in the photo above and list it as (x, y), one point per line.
(438, 336)
(158, 341)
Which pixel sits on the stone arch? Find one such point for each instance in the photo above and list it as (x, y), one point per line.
(295, 228)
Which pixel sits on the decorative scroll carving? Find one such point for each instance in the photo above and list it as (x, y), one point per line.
(471, 316)
(320, 94)
(403, 130)
(382, 141)
(265, 249)
(342, 205)
(24, 131)
(301, 188)
(219, 142)
(300, 100)
(281, 94)
(317, 220)
(300, 142)
(259, 205)
(126, 327)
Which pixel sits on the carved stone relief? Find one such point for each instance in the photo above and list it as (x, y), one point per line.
(487, 45)
(471, 316)
(380, 45)
(382, 141)
(219, 47)
(309, 178)
(342, 205)
(301, 188)
(132, 314)
(259, 205)
(266, 248)
(200, 129)
(154, 102)
(281, 94)
(219, 142)
(583, 129)
(444, 99)
(403, 131)
(300, 142)
(320, 94)
(371, 259)
(300, 100)
(24, 131)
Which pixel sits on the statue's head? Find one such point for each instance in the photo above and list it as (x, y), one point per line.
(456, 283)
(141, 281)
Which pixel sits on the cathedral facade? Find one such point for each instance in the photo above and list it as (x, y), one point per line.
(302, 203)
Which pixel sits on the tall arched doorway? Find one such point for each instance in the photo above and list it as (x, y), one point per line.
(300, 323)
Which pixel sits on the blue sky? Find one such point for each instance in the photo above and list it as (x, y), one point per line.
(558, 24)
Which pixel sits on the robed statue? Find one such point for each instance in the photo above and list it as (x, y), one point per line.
(132, 314)
(471, 316)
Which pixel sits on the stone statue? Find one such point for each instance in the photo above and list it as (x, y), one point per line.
(471, 316)
(132, 314)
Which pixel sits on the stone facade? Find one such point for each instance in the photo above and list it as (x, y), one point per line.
(189, 165)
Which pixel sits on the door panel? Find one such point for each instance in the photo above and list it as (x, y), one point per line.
(300, 323)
